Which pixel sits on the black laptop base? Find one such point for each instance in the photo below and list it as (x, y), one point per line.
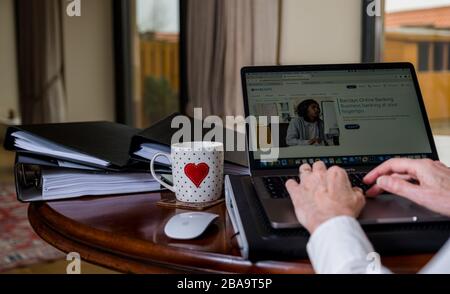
(262, 242)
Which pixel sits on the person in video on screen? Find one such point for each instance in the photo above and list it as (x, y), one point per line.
(327, 206)
(307, 128)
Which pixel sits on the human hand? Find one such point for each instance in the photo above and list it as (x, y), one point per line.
(323, 194)
(423, 181)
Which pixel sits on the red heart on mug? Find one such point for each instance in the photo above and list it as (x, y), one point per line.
(196, 172)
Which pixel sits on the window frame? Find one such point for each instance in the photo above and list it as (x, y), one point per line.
(123, 71)
(123, 60)
(439, 56)
(424, 58)
(372, 33)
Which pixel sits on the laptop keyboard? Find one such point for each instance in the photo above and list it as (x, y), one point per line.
(276, 186)
(277, 189)
(356, 179)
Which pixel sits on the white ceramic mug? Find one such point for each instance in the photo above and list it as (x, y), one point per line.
(197, 171)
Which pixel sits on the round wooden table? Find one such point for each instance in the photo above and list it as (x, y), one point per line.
(126, 233)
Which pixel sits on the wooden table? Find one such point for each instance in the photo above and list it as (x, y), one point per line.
(126, 233)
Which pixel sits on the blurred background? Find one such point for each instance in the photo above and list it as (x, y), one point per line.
(136, 61)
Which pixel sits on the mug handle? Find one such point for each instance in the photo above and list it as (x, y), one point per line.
(155, 176)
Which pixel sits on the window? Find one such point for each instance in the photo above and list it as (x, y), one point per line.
(424, 56)
(448, 56)
(158, 60)
(418, 31)
(438, 56)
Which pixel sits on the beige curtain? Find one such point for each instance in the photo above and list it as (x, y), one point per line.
(222, 37)
(41, 80)
(54, 98)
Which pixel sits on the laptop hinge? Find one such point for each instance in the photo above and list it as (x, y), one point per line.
(294, 172)
(277, 172)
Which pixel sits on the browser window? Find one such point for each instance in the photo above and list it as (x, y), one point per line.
(340, 117)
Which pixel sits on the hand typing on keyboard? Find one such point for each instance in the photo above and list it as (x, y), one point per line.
(423, 181)
(323, 194)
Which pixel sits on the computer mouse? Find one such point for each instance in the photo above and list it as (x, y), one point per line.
(188, 225)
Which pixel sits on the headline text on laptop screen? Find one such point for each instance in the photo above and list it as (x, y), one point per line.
(339, 116)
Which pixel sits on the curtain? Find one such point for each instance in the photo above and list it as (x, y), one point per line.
(223, 36)
(42, 96)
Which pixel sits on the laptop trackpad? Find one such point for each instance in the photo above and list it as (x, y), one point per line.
(391, 209)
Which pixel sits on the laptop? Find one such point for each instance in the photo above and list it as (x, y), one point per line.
(355, 116)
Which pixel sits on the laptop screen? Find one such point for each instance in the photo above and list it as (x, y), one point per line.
(344, 117)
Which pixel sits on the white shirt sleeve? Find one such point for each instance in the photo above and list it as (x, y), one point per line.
(339, 246)
(440, 264)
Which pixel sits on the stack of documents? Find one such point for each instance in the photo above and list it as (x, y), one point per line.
(59, 161)
(148, 150)
(38, 145)
(72, 183)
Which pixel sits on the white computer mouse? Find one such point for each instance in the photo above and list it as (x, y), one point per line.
(188, 225)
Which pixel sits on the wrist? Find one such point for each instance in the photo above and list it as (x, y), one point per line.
(316, 223)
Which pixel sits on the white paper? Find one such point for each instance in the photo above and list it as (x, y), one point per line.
(57, 184)
(35, 144)
(148, 150)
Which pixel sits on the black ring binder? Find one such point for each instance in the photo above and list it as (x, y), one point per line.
(30, 176)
